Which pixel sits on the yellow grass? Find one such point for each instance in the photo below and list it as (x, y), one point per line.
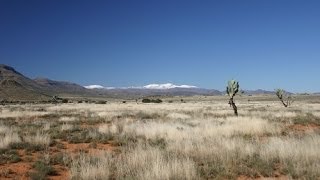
(199, 139)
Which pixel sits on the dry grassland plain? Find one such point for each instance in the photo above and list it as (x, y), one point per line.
(198, 139)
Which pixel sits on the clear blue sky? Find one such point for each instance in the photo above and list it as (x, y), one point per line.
(262, 43)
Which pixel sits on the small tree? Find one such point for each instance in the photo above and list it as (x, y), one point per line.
(285, 98)
(232, 90)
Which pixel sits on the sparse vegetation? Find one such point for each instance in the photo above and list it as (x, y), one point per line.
(199, 140)
(42, 170)
(9, 156)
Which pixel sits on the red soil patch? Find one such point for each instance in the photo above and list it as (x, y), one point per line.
(87, 148)
(276, 175)
(304, 128)
(274, 178)
(243, 177)
(63, 173)
(15, 171)
(21, 169)
(28, 158)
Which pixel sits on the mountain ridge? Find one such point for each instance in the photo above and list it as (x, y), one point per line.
(16, 86)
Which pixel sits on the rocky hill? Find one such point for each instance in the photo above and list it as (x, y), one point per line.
(14, 86)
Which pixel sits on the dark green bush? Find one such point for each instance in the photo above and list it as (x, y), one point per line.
(42, 170)
(101, 102)
(65, 101)
(157, 101)
(9, 156)
(146, 100)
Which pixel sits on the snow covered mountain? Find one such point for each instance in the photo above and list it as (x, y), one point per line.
(167, 89)
(94, 87)
(150, 86)
(167, 86)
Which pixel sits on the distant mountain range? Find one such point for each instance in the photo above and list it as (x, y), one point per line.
(16, 86)
(141, 92)
(172, 89)
(258, 91)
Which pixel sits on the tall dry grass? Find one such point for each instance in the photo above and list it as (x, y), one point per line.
(193, 140)
(86, 167)
(7, 137)
(40, 138)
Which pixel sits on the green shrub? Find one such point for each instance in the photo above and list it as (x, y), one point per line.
(9, 156)
(59, 158)
(42, 170)
(65, 101)
(28, 147)
(157, 101)
(306, 119)
(146, 100)
(101, 102)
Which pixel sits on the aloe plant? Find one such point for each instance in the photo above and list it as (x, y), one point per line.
(232, 90)
(284, 97)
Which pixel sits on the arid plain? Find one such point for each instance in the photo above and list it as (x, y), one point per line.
(197, 138)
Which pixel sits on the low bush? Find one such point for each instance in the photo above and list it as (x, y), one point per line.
(306, 119)
(9, 156)
(42, 170)
(146, 100)
(101, 102)
(65, 101)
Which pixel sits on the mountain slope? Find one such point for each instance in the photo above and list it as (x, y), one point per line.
(16, 86)
(258, 91)
(60, 86)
